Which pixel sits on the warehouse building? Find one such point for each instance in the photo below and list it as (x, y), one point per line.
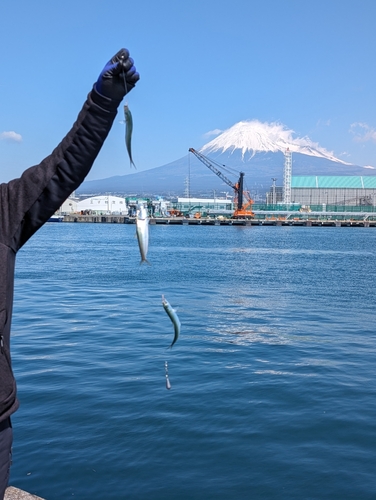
(69, 206)
(206, 206)
(329, 190)
(105, 204)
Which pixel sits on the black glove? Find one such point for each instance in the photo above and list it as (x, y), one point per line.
(118, 77)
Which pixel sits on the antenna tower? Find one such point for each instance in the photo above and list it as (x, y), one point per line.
(187, 189)
(287, 173)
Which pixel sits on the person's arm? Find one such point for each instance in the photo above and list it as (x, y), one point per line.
(28, 202)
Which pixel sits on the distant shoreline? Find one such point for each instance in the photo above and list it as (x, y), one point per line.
(356, 220)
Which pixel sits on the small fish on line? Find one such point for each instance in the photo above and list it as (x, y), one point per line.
(142, 232)
(168, 385)
(173, 317)
(128, 132)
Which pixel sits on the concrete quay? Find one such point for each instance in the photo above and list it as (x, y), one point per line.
(207, 221)
(13, 493)
(177, 221)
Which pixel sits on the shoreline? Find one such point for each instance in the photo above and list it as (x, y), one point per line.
(328, 221)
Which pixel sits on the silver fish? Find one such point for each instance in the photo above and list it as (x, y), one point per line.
(128, 132)
(142, 232)
(173, 317)
(168, 383)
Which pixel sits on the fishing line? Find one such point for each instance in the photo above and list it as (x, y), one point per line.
(125, 82)
(126, 103)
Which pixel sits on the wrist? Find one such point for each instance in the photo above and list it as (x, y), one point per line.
(103, 101)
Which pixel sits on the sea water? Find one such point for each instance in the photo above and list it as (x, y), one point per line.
(273, 385)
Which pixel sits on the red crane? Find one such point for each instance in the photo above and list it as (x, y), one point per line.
(241, 198)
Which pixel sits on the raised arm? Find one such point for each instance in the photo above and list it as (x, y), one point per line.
(28, 202)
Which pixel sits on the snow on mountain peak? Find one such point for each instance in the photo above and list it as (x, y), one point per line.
(254, 136)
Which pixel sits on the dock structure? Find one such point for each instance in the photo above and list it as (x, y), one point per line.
(314, 220)
(13, 493)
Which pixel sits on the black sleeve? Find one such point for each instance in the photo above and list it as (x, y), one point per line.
(28, 202)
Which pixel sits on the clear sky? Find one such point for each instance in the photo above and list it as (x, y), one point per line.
(204, 64)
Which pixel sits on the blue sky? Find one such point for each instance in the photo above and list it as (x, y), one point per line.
(204, 64)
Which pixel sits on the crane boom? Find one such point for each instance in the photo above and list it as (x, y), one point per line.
(209, 164)
(238, 188)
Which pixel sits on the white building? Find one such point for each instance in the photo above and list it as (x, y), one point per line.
(208, 206)
(68, 207)
(104, 204)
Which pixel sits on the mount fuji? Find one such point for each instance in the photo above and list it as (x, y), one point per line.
(253, 147)
(252, 137)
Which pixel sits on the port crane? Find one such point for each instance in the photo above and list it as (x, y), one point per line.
(241, 197)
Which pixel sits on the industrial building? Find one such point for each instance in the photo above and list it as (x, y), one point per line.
(322, 190)
(69, 206)
(328, 190)
(334, 190)
(103, 204)
(212, 206)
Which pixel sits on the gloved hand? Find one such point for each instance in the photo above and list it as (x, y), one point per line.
(118, 77)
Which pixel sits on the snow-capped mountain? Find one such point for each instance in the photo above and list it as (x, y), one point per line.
(251, 137)
(253, 147)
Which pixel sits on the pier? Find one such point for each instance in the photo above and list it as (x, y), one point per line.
(13, 493)
(351, 220)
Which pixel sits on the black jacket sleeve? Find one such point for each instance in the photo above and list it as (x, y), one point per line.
(28, 202)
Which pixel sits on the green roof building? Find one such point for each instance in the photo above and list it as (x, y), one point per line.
(333, 190)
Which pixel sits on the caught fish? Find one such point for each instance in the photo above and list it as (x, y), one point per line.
(142, 232)
(128, 132)
(173, 317)
(168, 384)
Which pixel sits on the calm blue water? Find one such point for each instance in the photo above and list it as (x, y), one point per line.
(273, 378)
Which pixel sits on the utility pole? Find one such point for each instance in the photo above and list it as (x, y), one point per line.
(274, 197)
